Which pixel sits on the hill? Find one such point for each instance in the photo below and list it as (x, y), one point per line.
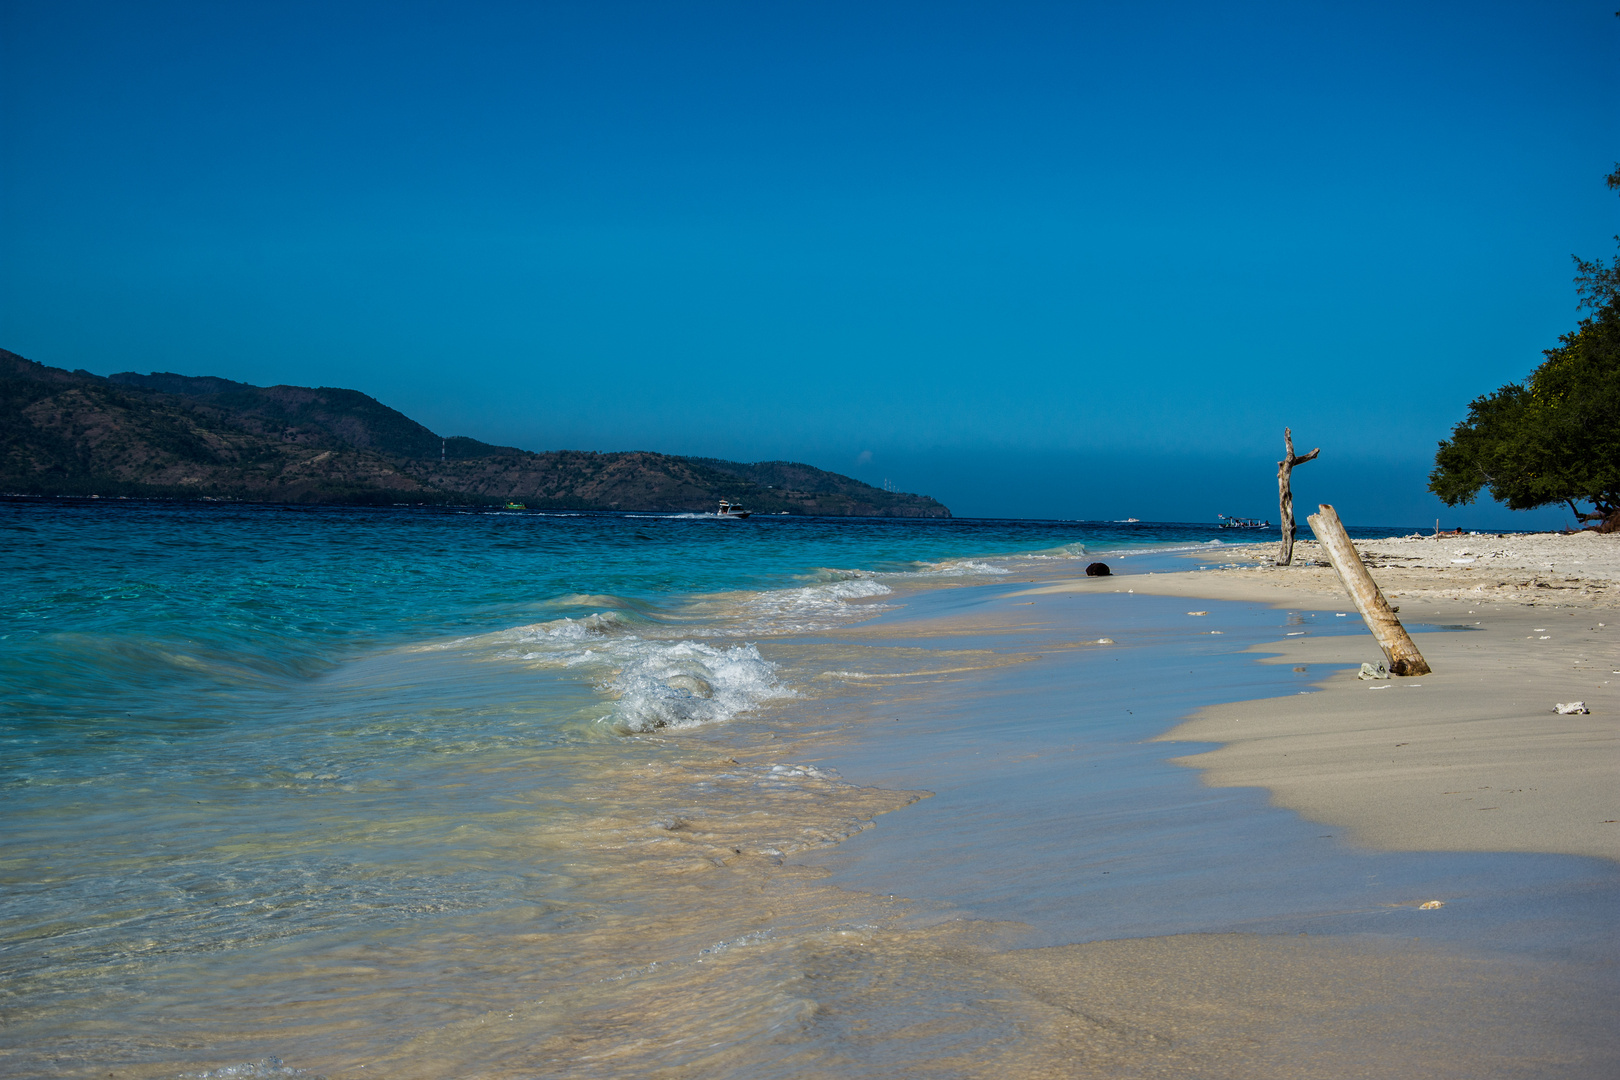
(162, 435)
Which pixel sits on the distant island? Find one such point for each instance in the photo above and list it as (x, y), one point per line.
(168, 436)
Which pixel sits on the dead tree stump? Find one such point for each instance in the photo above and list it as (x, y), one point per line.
(1403, 656)
(1285, 495)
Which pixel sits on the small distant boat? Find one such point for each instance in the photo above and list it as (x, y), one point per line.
(731, 510)
(1242, 523)
(515, 506)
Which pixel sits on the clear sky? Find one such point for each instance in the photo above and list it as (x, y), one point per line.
(1051, 260)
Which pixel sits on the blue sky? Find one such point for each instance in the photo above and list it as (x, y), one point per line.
(1075, 260)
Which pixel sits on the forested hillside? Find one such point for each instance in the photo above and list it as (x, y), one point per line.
(198, 437)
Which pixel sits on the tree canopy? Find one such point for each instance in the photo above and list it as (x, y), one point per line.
(1598, 282)
(1555, 438)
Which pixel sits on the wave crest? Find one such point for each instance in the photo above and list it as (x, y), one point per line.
(687, 683)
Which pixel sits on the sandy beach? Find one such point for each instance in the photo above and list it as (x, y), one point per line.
(1469, 759)
(1472, 757)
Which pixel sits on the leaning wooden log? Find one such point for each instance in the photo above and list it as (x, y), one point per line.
(1403, 656)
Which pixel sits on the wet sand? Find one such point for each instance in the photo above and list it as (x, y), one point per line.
(1471, 757)
(1248, 1007)
(1167, 932)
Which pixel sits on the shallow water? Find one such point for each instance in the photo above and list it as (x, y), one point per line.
(1072, 820)
(427, 793)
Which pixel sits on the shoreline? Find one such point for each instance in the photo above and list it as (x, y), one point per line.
(954, 849)
(1107, 878)
(1471, 757)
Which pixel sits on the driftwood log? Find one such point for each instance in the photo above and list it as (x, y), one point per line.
(1403, 656)
(1285, 495)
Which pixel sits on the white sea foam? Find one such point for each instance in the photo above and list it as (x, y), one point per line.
(810, 607)
(685, 683)
(673, 668)
(779, 772)
(1158, 549)
(1063, 551)
(652, 682)
(956, 568)
(666, 669)
(565, 630)
(972, 566)
(264, 1067)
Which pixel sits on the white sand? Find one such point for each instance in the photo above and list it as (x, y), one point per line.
(1540, 567)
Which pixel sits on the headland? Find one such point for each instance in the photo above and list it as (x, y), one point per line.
(167, 436)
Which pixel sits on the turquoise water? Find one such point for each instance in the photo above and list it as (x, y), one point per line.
(140, 619)
(349, 787)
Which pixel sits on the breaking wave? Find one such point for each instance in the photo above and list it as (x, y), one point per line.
(811, 607)
(963, 567)
(650, 680)
(667, 670)
(687, 683)
(688, 661)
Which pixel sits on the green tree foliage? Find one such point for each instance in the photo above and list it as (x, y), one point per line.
(1555, 438)
(1597, 282)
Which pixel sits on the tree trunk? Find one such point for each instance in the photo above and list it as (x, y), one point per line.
(1285, 510)
(1285, 495)
(1403, 656)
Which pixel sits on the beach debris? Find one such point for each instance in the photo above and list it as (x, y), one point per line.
(1098, 569)
(1369, 672)
(1572, 708)
(1198, 613)
(1402, 654)
(1430, 905)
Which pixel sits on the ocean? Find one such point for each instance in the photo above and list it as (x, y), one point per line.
(437, 792)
